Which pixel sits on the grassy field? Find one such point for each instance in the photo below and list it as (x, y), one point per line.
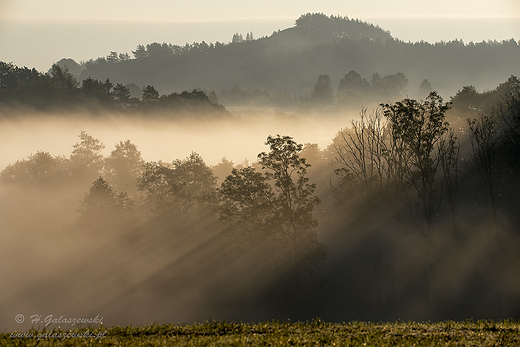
(315, 333)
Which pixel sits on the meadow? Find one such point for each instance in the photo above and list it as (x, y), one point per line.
(274, 333)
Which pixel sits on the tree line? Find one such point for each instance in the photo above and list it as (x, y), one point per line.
(58, 89)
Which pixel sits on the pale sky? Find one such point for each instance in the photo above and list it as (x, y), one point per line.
(222, 10)
(37, 33)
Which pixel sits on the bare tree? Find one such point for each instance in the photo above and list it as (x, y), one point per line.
(484, 135)
(367, 154)
(449, 152)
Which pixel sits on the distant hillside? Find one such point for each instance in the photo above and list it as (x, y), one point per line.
(291, 60)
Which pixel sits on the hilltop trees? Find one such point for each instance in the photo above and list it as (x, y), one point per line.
(341, 27)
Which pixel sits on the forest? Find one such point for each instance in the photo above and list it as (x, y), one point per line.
(290, 60)
(410, 213)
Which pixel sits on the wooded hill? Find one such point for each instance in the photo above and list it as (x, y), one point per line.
(291, 60)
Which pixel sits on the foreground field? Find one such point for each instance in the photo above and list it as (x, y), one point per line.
(317, 332)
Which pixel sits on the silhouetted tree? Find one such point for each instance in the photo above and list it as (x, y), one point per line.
(86, 158)
(323, 93)
(425, 88)
(223, 169)
(103, 205)
(184, 189)
(484, 137)
(467, 101)
(352, 89)
(279, 218)
(508, 112)
(419, 126)
(40, 169)
(64, 83)
(353, 81)
(248, 213)
(237, 38)
(124, 166)
(449, 152)
(121, 95)
(94, 91)
(112, 58)
(140, 52)
(150, 94)
(70, 64)
(370, 165)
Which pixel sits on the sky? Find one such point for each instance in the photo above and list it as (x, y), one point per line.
(37, 33)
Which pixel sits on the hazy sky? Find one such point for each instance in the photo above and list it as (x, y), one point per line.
(239, 9)
(37, 33)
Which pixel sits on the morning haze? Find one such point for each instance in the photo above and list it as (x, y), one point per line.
(283, 164)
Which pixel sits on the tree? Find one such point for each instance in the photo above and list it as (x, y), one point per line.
(73, 67)
(86, 158)
(64, 83)
(467, 101)
(280, 216)
(140, 52)
(112, 58)
(484, 136)
(237, 38)
(368, 158)
(38, 169)
(223, 169)
(352, 89)
(417, 128)
(212, 96)
(508, 113)
(195, 181)
(376, 79)
(425, 88)
(102, 204)
(353, 81)
(323, 93)
(150, 94)
(121, 95)
(247, 210)
(449, 152)
(124, 166)
(186, 188)
(392, 86)
(94, 90)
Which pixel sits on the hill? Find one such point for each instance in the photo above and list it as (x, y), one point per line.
(290, 60)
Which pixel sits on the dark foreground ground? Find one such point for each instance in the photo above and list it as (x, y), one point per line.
(317, 332)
